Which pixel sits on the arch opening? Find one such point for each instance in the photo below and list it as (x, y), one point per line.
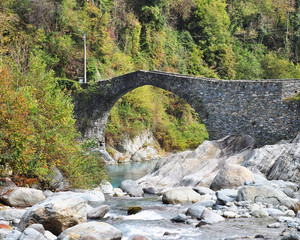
(155, 117)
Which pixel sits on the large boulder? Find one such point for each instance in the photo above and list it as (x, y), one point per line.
(180, 195)
(94, 198)
(91, 230)
(198, 167)
(21, 197)
(231, 176)
(279, 161)
(132, 188)
(56, 213)
(266, 194)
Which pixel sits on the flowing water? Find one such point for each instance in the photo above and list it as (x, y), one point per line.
(154, 221)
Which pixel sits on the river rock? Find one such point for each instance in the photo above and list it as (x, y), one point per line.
(231, 176)
(180, 195)
(13, 235)
(225, 196)
(204, 190)
(21, 197)
(260, 213)
(195, 211)
(91, 230)
(180, 218)
(265, 194)
(38, 227)
(279, 161)
(150, 190)
(31, 234)
(94, 198)
(198, 167)
(49, 235)
(99, 212)
(118, 192)
(11, 214)
(132, 188)
(139, 237)
(56, 213)
(210, 217)
(106, 188)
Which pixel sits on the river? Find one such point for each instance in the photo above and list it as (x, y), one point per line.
(154, 221)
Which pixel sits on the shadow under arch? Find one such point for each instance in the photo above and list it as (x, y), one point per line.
(174, 123)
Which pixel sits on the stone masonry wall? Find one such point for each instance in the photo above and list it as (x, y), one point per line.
(255, 107)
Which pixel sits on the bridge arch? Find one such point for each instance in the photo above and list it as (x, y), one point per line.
(254, 107)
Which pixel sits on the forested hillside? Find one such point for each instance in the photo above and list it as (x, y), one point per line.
(41, 59)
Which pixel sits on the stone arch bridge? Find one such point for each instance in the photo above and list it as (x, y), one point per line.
(256, 107)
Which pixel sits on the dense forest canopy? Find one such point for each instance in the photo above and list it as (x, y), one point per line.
(41, 56)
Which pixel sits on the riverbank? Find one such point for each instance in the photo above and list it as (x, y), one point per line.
(184, 197)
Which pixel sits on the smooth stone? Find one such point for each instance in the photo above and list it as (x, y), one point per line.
(132, 188)
(274, 225)
(195, 211)
(260, 213)
(150, 190)
(231, 176)
(180, 218)
(204, 190)
(118, 192)
(31, 234)
(274, 212)
(13, 235)
(229, 214)
(106, 188)
(38, 227)
(98, 213)
(49, 235)
(210, 217)
(180, 195)
(139, 237)
(290, 213)
(226, 195)
(21, 197)
(91, 230)
(12, 214)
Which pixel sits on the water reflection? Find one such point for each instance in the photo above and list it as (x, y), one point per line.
(134, 171)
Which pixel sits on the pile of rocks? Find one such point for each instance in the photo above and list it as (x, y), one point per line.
(47, 215)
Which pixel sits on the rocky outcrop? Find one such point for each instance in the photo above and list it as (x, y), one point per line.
(279, 161)
(56, 213)
(21, 197)
(199, 167)
(231, 176)
(140, 148)
(91, 230)
(265, 194)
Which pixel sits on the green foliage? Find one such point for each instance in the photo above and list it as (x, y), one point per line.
(37, 127)
(174, 123)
